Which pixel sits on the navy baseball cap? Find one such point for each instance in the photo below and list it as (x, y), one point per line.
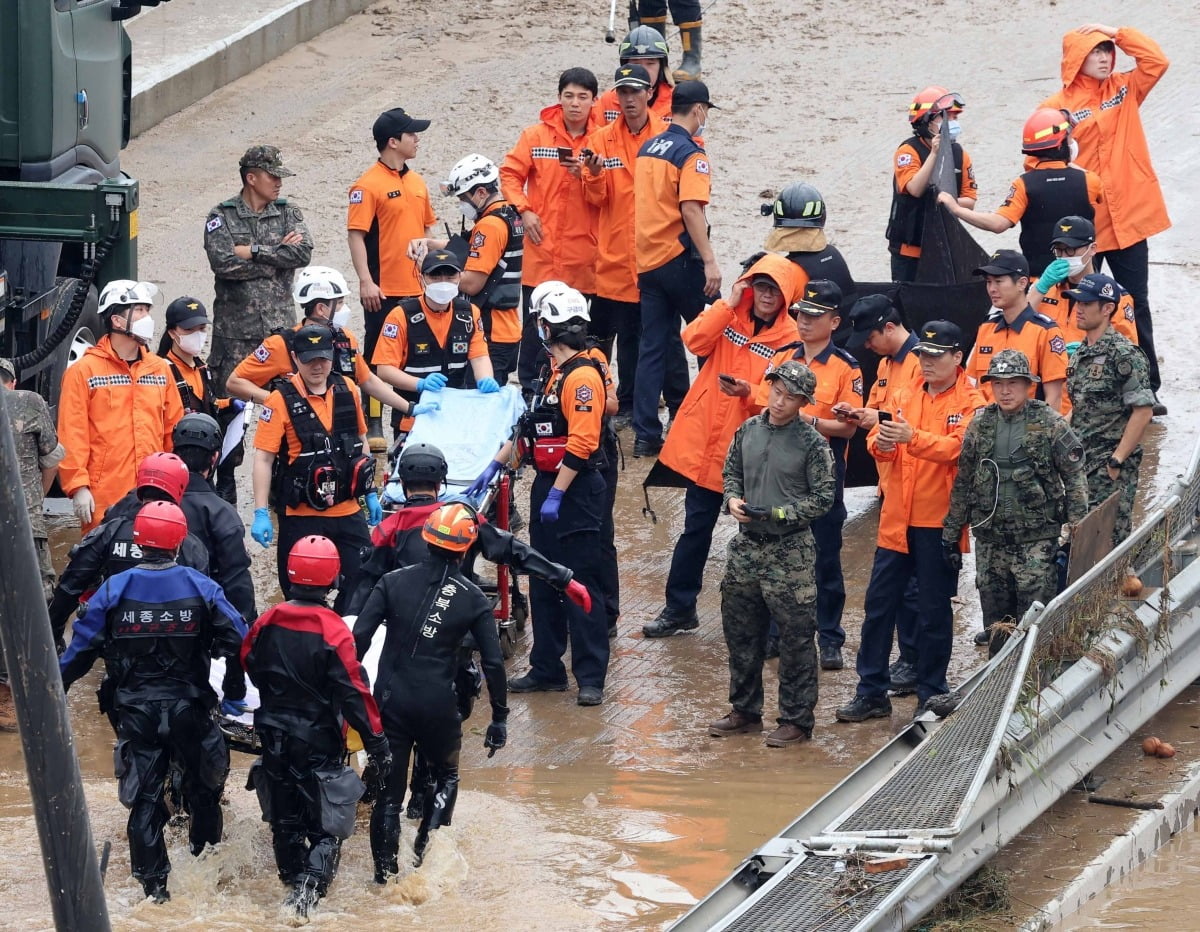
(820, 297)
(939, 337)
(871, 313)
(313, 342)
(1096, 287)
(1005, 262)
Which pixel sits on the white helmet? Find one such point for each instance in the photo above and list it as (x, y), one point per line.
(470, 172)
(319, 283)
(122, 292)
(545, 288)
(560, 306)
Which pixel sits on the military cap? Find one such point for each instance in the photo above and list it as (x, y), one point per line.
(1074, 231)
(267, 158)
(819, 297)
(1005, 262)
(796, 377)
(939, 337)
(186, 313)
(1009, 364)
(440, 259)
(313, 342)
(632, 76)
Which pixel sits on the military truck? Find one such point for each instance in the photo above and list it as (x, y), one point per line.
(68, 215)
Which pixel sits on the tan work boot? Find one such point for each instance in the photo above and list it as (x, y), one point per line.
(735, 723)
(8, 711)
(689, 68)
(787, 734)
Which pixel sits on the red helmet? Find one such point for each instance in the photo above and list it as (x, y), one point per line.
(164, 471)
(1046, 130)
(314, 561)
(160, 525)
(451, 527)
(932, 100)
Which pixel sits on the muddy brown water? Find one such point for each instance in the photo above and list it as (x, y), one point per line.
(620, 816)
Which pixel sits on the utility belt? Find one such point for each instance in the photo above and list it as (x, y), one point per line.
(762, 537)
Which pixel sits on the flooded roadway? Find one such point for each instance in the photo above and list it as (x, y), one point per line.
(614, 817)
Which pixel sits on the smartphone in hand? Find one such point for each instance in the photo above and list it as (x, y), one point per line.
(884, 416)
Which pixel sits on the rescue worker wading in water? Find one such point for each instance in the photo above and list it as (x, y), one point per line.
(566, 505)
(429, 609)
(301, 657)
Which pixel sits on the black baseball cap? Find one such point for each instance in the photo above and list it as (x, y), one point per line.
(939, 337)
(1095, 287)
(1074, 231)
(819, 297)
(313, 342)
(632, 75)
(186, 313)
(692, 92)
(869, 314)
(1005, 262)
(392, 123)
(440, 259)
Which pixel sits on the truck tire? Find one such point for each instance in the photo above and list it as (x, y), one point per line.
(87, 330)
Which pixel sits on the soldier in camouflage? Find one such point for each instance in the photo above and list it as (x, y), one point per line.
(1020, 477)
(1108, 382)
(255, 241)
(38, 456)
(778, 478)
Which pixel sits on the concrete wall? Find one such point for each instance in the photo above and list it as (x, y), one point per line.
(167, 90)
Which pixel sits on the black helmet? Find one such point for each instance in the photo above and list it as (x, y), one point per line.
(799, 205)
(197, 430)
(643, 42)
(422, 462)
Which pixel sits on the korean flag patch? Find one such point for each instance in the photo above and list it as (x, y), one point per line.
(391, 330)
(214, 223)
(356, 196)
(903, 160)
(266, 414)
(701, 166)
(262, 354)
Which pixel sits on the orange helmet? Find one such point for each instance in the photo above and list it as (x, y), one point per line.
(160, 525)
(451, 527)
(314, 561)
(164, 471)
(1046, 130)
(931, 101)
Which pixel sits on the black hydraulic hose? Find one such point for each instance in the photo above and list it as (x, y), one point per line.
(87, 276)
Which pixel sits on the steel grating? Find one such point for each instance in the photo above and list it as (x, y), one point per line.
(927, 790)
(821, 893)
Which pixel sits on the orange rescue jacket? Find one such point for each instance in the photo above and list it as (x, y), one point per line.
(531, 178)
(700, 435)
(1109, 131)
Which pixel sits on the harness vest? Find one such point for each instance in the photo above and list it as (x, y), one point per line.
(330, 466)
(1051, 194)
(906, 225)
(193, 404)
(545, 428)
(502, 290)
(426, 355)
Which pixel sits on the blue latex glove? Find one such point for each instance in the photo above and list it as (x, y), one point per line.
(487, 386)
(434, 382)
(1054, 274)
(233, 707)
(261, 530)
(237, 404)
(427, 407)
(549, 512)
(374, 509)
(479, 486)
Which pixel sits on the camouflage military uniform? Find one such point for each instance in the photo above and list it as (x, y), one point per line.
(770, 570)
(37, 449)
(1020, 477)
(1105, 382)
(253, 296)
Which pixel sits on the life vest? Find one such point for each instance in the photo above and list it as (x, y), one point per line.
(1050, 195)
(906, 225)
(426, 355)
(544, 429)
(330, 466)
(502, 290)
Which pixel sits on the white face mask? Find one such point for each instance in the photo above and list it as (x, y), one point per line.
(955, 130)
(1075, 265)
(340, 318)
(469, 211)
(193, 343)
(441, 292)
(1073, 146)
(143, 330)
